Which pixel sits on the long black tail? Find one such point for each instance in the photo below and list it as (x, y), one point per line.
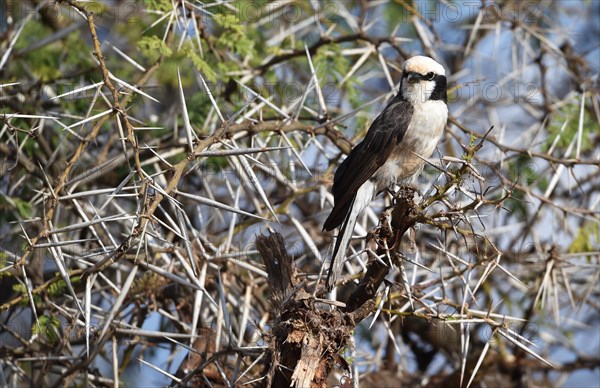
(341, 246)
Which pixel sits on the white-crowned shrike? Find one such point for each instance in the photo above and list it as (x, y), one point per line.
(392, 152)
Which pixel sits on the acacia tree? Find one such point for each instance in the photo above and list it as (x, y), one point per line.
(166, 170)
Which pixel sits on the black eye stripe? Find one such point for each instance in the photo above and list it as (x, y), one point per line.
(424, 77)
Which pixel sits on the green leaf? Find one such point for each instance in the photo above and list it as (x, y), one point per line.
(228, 21)
(570, 114)
(400, 12)
(57, 288)
(23, 207)
(153, 47)
(47, 327)
(202, 66)
(44, 62)
(159, 5)
(22, 290)
(587, 239)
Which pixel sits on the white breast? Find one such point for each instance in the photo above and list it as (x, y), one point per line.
(421, 138)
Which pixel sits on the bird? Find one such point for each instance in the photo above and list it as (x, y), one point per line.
(392, 152)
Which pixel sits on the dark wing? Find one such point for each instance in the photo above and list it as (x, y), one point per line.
(386, 131)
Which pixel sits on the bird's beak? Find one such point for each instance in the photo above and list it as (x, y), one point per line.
(413, 78)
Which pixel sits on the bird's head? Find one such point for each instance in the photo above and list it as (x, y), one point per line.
(423, 79)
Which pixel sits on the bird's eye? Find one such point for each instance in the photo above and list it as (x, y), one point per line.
(430, 76)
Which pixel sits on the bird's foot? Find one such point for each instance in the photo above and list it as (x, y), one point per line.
(384, 229)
